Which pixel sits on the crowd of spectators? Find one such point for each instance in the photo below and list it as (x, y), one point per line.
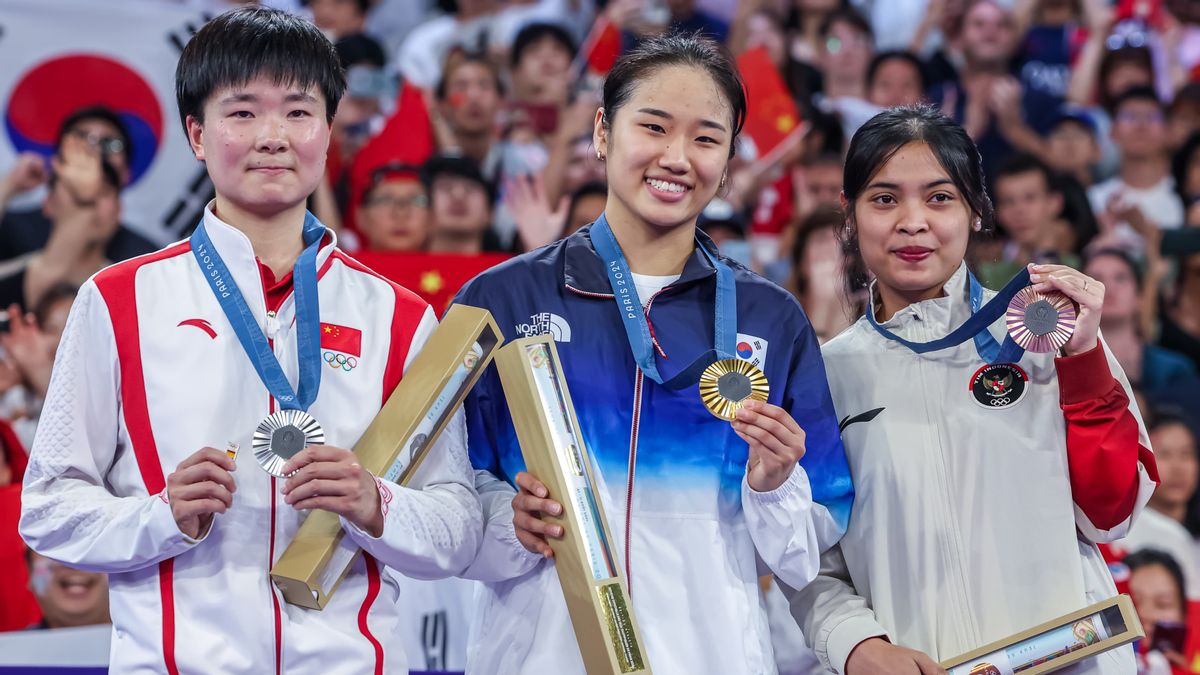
(467, 129)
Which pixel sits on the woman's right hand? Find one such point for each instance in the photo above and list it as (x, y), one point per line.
(528, 507)
(878, 656)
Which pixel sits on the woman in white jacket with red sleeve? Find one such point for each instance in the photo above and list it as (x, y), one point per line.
(985, 475)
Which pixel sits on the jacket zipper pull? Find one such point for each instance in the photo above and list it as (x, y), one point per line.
(272, 325)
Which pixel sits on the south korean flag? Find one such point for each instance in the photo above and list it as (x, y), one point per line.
(752, 349)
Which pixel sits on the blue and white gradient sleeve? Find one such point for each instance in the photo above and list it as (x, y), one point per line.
(792, 525)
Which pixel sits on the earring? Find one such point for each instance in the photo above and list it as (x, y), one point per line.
(723, 177)
(978, 224)
(599, 156)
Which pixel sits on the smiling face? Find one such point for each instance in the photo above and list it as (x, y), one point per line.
(913, 225)
(68, 597)
(264, 145)
(667, 148)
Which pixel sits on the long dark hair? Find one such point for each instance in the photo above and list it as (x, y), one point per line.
(884, 134)
(676, 49)
(1148, 557)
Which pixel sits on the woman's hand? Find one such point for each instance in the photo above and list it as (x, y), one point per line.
(776, 443)
(1088, 295)
(876, 656)
(331, 479)
(528, 507)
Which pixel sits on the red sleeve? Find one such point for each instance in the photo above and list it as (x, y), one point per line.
(1103, 448)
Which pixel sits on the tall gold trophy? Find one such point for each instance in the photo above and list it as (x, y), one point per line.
(393, 446)
(592, 582)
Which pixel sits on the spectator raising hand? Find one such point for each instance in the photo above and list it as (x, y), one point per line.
(79, 167)
(28, 172)
(538, 223)
(29, 349)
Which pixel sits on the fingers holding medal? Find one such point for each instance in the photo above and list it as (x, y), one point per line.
(331, 479)
(776, 443)
(1086, 293)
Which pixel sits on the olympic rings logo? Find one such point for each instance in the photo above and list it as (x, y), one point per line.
(342, 361)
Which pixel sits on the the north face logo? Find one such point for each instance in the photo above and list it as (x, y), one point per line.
(546, 322)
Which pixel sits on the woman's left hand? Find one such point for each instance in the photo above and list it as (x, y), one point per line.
(1088, 295)
(331, 479)
(776, 443)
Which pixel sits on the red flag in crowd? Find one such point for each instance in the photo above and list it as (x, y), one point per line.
(406, 138)
(602, 46)
(436, 277)
(18, 606)
(772, 113)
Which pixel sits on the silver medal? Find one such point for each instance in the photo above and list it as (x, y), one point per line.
(281, 436)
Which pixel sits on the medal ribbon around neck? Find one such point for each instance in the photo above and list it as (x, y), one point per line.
(247, 329)
(633, 315)
(976, 327)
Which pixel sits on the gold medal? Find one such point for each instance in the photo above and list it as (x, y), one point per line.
(728, 383)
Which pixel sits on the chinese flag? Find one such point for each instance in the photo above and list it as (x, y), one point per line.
(436, 277)
(406, 138)
(602, 46)
(772, 112)
(18, 606)
(341, 339)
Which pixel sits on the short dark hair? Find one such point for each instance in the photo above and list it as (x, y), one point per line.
(360, 48)
(896, 55)
(535, 32)
(1113, 59)
(57, 293)
(456, 60)
(1023, 162)
(846, 14)
(456, 165)
(363, 5)
(676, 49)
(1137, 94)
(589, 189)
(1121, 255)
(1149, 557)
(884, 134)
(250, 42)
(104, 114)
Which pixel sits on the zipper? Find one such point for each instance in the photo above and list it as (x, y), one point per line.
(272, 329)
(633, 443)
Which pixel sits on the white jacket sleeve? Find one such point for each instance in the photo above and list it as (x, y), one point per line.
(789, 530)
(431, 529)
(833, 616)
(501, 556)
(69, 512)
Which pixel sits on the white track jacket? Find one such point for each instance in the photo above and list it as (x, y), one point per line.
(972, 522)
(149, 371)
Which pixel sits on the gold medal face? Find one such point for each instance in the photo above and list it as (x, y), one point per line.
(728, 383)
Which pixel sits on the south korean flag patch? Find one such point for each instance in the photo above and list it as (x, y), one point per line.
(752, 350)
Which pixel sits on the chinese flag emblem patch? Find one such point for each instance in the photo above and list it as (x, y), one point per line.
(341, 339)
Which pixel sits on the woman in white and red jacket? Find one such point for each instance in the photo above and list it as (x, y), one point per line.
(984, 476)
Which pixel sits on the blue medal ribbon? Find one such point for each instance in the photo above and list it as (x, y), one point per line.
(247, 329)
(633, 315)
(976, 327)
